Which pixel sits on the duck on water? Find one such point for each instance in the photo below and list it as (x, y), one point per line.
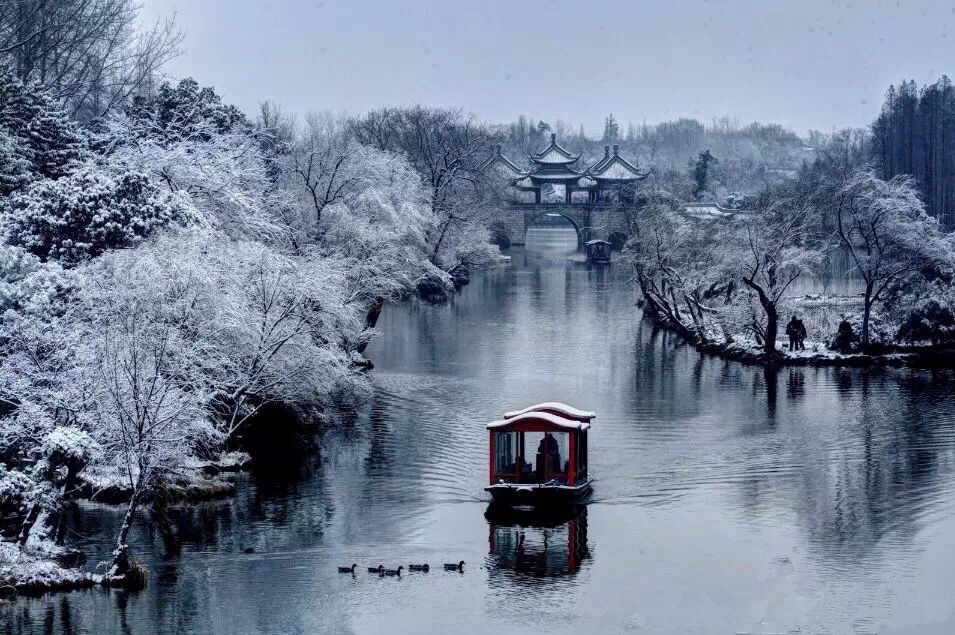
(538, 456)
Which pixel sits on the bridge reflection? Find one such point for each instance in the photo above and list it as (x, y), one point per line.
(535, 544)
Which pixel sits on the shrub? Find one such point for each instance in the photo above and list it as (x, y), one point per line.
(80, 216)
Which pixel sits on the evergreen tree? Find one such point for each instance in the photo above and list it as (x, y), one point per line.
(85, 214)
(15, 166)
(43, 134)
(185, 112)
(915, 134)
(701, 171)
(611, 129)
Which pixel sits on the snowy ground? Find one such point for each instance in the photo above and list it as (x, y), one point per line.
(33, 571)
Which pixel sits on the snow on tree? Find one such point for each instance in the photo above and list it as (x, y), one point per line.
(445, 147)
(15, 166)
(887, 232)
(202, 151)
(772, 250)
(184, 112)
(64, 452)
(681, 267)
(49, 140)
(82, 215)
(149, 386)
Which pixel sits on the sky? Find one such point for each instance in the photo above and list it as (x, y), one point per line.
(805, 64)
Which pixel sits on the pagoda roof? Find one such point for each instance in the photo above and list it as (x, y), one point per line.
(497, 159)
(615, 168)
(554, 154)
(554, 172)
(604, 160)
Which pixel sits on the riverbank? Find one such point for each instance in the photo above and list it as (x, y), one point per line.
(816, 354)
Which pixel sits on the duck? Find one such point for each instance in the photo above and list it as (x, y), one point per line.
(248, 550)
(454, 567)
(393, 572)
(377, 569)
(419, 567)
(350, 569)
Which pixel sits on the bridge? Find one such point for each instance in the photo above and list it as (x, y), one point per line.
(592, 221)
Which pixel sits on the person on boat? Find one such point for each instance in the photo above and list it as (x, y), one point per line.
(548, 454)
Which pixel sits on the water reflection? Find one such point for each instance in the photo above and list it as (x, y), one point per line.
(535, 544)
(728, 498)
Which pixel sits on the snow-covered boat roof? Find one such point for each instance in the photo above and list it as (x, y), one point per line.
(561, 409)
(598, 242)
(555, 420)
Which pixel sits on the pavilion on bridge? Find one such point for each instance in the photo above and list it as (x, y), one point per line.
(554, 165)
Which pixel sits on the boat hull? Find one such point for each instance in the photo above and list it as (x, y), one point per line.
(539, 495)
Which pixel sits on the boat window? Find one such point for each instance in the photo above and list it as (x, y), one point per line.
(551, 455)
(505, 459)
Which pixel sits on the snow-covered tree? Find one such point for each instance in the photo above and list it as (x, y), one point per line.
(445, 147)
(681, 264)
(887, 232)
(82, 215)
(15, 166)
(46, 137)
(771, 248)
(203, 151)
(150, 387)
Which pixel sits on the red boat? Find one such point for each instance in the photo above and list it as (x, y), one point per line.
(538, 456)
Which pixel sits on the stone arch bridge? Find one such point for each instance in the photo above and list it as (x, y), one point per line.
(593, 221)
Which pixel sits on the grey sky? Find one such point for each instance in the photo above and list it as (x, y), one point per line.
(802, 63)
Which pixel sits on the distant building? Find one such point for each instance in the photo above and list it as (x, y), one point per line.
(555, 166)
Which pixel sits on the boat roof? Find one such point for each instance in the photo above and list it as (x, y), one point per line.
(554, 407)
(598, 242)
(540, 416)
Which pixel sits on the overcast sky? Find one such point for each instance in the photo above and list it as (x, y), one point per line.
(802, 63)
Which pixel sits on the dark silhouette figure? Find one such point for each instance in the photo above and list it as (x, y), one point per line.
(548, 454)
(796, 331)
(801, 334)
(792, 330)
(844, 337)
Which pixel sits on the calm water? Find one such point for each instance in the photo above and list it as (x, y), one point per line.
(728, 499)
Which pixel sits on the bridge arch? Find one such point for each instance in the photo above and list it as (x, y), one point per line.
(500, 235)
(568, 215)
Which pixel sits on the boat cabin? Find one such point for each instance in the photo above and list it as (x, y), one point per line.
(598, 250)
(543, 447)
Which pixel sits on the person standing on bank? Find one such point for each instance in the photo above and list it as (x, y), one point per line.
(792, 330)
(801, 334)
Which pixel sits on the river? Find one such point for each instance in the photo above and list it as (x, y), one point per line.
(728, 498)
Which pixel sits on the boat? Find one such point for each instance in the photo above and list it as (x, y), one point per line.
(538, 456)
(598, 250)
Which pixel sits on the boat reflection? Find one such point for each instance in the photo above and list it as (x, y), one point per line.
(537, 544)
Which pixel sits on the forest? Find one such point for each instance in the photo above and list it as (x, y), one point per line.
(171, 265)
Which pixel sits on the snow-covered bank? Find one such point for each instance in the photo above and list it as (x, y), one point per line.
(200, 481)
(33, 572)
(749, 352)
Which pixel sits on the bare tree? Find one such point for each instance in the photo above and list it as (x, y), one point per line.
(90, 54)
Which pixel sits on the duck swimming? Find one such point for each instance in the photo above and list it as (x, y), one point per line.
(419, 567)
(350, 569)
(454, 567)
(377, 569)
(393, 572)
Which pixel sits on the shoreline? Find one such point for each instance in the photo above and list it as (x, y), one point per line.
(752, 354)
